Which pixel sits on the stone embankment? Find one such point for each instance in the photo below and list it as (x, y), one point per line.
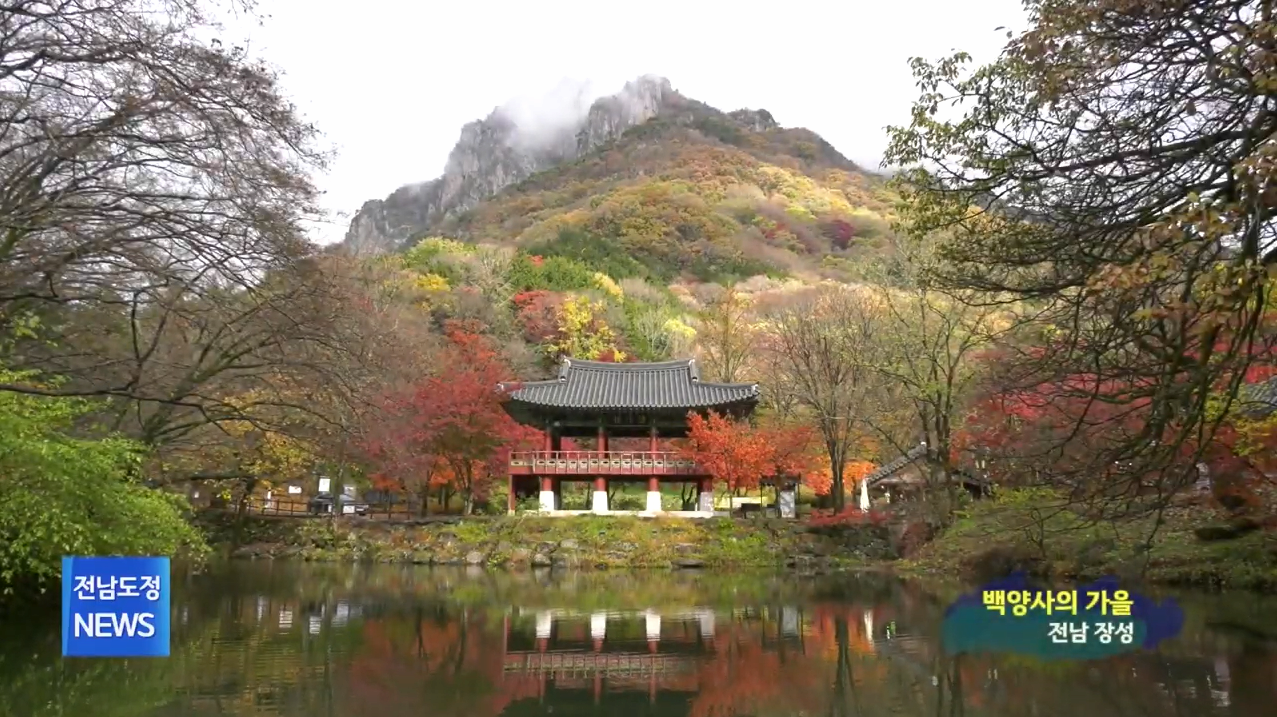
(579, 542)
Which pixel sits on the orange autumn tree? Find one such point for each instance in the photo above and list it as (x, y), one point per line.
(820, 480)
(448, 430)
(793, 452)
(739, 456)
(731, 452)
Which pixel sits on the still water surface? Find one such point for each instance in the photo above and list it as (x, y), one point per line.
(305, 640)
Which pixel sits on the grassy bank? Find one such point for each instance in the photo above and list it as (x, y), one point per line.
(1017, 532)
(990, 539)
(581, 541)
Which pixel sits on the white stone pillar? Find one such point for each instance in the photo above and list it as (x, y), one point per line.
(789, 621)
(599, 504)
(547, 500)
(653, 620)
(707, 624)
(707, 499)
(653, 501)
(788, 503)
(598, 626)
(545, 623)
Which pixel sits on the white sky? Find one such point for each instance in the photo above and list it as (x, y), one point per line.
(391, 82)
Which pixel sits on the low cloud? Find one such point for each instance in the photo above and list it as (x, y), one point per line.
(544, 118)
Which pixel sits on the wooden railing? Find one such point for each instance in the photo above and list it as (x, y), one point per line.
(592, 463)
(300, 508)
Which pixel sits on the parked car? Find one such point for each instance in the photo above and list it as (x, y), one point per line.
(323, 503)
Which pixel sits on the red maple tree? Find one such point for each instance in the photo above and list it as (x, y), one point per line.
(449, 431)
(538, 313)
(1072, 425)
(740, 456)
(729, 451)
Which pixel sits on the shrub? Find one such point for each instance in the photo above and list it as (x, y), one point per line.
(606, 256)
(848, 516)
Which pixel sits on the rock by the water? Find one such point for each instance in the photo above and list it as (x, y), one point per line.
(474, 557)
(568, 544)
(541, 560)
(689, 563)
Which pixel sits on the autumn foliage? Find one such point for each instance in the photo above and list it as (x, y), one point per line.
(1066, 430)
(851, 515)
(448, 431)
(739, 456)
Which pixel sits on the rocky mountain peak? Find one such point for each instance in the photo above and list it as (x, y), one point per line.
(755, 120)
(512, 143)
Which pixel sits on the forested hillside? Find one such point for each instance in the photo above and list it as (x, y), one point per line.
(699, 195)
(1106, 351)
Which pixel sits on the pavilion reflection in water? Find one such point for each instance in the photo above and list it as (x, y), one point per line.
(635, 661)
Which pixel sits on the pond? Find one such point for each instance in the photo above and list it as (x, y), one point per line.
(322, 640)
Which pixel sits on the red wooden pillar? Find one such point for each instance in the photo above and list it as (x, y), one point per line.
(600, 483)
(652, 483)
(505, 635)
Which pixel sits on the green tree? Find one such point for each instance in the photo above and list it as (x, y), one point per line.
(927, 349)
(63, 495)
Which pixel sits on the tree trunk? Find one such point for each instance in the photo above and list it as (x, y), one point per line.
(837, 489)
(339, 489)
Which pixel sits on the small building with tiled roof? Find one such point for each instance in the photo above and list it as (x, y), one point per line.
(1258, 400)
(626, 398)
(616, 400)
(907, 474)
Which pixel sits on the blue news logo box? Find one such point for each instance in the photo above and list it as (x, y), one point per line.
(115, 607)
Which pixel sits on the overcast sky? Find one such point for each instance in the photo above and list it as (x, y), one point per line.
(391, 82)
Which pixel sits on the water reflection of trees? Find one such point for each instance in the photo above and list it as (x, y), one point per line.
(335, 644)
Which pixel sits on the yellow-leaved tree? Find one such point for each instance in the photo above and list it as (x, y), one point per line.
(582, 333)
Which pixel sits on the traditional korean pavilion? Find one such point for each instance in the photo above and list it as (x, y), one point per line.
(620, 661)
(595, 399)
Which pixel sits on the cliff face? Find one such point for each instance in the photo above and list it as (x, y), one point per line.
(494, 153)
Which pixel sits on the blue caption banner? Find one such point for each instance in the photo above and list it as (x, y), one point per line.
(1087, 622)
(115, 607)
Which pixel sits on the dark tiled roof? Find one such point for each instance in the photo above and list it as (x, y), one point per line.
(914, 454)
(600, 385)
(889, 469)
(1258, 400)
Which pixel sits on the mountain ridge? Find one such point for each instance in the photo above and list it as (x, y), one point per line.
(488, 157)
(490, 160)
